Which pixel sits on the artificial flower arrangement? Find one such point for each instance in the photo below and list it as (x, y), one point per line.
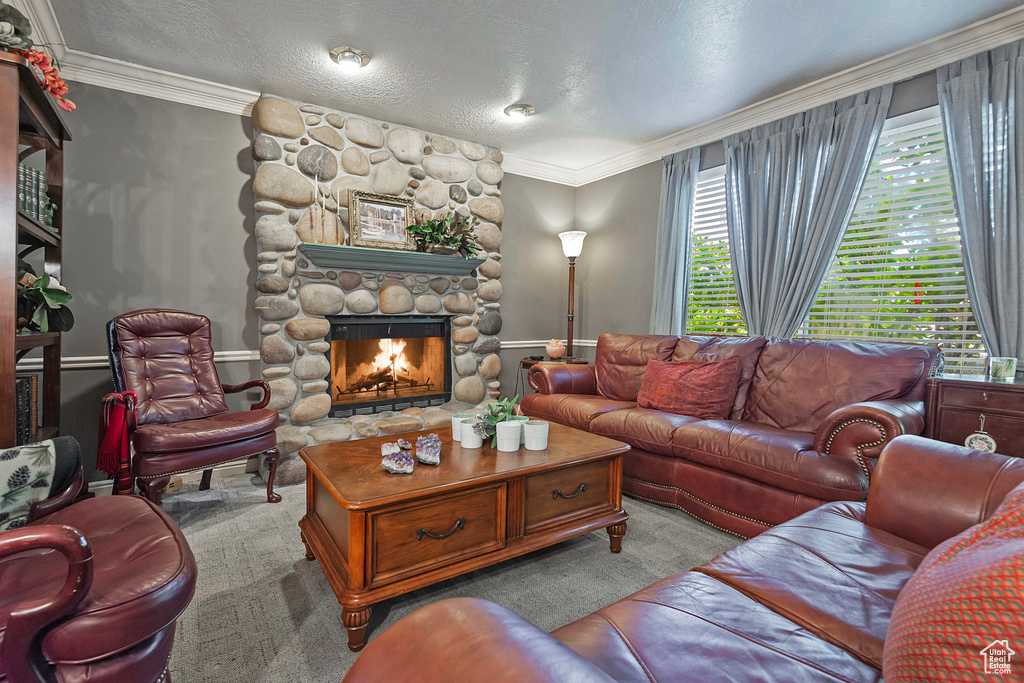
(14, 37)
(453, 233)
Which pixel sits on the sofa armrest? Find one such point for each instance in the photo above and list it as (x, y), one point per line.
(50, 505)
(465, 639)
(563, 378)
(256, 383)
(927, 491)
(860, 431)
(20, 648)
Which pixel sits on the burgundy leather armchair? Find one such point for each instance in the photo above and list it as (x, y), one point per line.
(182, 423)
(92, 591)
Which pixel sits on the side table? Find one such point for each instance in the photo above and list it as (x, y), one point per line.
(956, 404)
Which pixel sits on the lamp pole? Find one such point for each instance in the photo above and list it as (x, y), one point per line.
(572, 245)
(572, 313)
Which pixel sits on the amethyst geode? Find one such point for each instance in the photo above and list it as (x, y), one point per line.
(428, 449)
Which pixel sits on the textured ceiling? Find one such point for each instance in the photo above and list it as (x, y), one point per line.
(604, 76)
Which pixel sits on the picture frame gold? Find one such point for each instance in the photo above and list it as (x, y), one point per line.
(380, 221)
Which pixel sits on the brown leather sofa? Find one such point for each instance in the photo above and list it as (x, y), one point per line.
(807, 425)
(91, 591)
(810, 600)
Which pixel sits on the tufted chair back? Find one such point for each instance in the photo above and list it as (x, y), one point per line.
(166, 358)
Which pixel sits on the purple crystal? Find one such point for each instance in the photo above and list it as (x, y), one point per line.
(404, 445)
(401, 462)
(428, 449)
(389, 448)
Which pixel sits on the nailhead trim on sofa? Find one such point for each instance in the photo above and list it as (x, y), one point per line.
(699, 500)
(860, 456)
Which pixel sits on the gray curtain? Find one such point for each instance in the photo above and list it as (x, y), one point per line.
(981, 99)
(672, 255)
(792, 186)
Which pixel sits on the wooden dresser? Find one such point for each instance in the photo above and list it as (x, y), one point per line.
(957, 402)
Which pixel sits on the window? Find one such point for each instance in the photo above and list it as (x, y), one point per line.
(899, 272)
(711, 307)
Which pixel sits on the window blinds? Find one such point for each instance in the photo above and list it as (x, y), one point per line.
(899, 273)
(711, 307)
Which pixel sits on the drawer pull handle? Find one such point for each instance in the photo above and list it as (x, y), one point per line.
(460, 523)
(556, 493)
(984, 396)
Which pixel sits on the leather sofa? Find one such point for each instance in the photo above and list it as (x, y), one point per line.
(810, 600)
(807, 425)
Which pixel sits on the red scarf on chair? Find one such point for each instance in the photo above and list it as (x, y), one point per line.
(114, 455)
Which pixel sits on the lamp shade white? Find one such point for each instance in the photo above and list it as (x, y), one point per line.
(572, 242)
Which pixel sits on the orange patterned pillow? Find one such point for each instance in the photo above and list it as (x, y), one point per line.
(961, 616)
(702, 390)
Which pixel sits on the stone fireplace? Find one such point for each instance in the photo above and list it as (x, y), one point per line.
(311, 284)
(388, 363)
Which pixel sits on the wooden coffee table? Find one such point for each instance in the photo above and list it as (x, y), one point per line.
(377, 535)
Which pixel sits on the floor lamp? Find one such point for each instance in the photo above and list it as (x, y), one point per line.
(572, 245)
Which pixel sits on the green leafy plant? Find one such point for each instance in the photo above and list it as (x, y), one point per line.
(41, 301)
(452, 231)
(499, 411)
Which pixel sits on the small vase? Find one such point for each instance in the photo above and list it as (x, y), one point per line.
(470, 438)
(555, 351)
(509, 433)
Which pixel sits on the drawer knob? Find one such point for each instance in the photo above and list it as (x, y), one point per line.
(984, 396)
(460, 523)
(556, 493)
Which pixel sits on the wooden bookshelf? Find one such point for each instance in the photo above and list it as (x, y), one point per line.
(29, 119)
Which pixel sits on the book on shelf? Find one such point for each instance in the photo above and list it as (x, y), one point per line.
(22, 410)
(33, 405)
(21, 186)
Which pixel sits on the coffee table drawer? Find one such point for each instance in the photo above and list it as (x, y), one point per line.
(412, 539)
(554, 497)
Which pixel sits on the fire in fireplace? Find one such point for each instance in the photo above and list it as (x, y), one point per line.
(388, 363)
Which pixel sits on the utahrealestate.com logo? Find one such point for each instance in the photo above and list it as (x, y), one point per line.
(997, 656)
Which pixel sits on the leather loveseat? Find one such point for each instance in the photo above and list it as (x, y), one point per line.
(806, 427)
(823, 597)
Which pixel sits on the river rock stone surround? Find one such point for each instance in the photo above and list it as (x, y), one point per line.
(308, 158)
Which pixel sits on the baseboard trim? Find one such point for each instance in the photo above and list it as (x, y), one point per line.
(541, 343)
(106, 487)
(95, 362)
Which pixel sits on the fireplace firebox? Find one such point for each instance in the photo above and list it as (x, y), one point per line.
(381, 363)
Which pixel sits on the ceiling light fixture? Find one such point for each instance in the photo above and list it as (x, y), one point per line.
(519, 111)
(350, 57)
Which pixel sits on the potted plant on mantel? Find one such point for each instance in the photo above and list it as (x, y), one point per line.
(451, 234)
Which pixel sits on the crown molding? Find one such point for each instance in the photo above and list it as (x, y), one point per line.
(539, 170)
(964, 42)
(45, 28)
(907, 63)
(115, 74)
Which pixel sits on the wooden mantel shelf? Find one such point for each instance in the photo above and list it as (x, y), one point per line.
(365, 258)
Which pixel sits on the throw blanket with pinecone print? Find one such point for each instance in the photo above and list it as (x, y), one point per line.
(26, 473)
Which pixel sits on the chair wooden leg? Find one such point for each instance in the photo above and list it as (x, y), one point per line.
(205, 483)
(272, 457)
(153, 489)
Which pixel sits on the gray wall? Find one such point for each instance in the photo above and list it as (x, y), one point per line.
(534, 271)
(158, 212)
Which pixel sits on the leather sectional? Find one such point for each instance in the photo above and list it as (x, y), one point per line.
(814, 599)
(808, 423)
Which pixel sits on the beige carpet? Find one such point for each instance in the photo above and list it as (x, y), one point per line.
(262, 613)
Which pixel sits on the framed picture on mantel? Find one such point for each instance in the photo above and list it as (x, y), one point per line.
(381, 221)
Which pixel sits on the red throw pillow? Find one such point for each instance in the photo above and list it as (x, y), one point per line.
(961, 616)
(702, 390)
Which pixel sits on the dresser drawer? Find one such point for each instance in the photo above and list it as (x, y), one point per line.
(412, 539)
(983, 398)
(553, 497)
(1008, 431)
